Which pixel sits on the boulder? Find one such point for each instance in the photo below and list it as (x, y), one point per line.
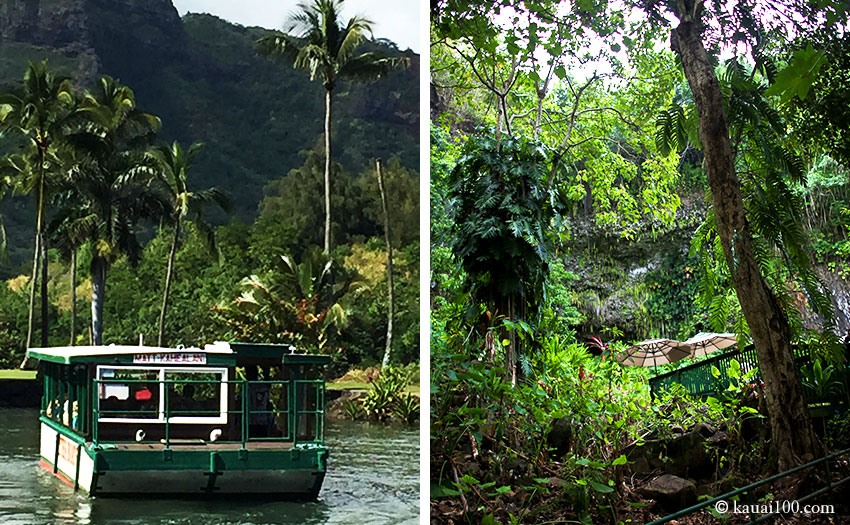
(560, 436)
(671, 492)
(687, 456)
(683, 455)
(646, 457)
(719, 439)
(706, 430)
(335, 409)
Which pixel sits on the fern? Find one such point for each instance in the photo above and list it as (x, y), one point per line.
(718, 313)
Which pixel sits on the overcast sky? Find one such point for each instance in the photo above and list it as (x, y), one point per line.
(397, 20)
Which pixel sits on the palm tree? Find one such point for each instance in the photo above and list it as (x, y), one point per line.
(297, 303)
(320, 44)
(172, 165)
(38, 110)
(111, 183)
(68, 239)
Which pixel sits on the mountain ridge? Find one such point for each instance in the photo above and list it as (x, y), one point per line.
(202, 76)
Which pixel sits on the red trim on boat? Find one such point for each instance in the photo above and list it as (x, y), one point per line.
(48, 466)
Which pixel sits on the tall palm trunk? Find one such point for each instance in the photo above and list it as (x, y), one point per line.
(792, 434)
(168, 275)
(98, 294)
(36, 254)
(44, 315)
(328, 91)
(388, 238)
(73, 296)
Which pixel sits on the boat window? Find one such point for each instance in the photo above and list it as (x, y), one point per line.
(196, 394)
(64, 388)
(150, 394)
(131, 393)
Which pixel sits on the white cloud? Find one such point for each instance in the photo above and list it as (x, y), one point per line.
(397, 20)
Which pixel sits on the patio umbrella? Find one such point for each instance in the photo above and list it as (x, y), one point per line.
(654, 352)
(705, 343)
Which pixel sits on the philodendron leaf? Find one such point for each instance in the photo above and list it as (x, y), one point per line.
(438, 491)
(489, 520)
(599, 487)
(469, 479)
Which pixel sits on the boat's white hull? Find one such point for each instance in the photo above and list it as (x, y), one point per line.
(70, 463)
(75, 466)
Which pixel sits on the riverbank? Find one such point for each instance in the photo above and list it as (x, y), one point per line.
(19, 389)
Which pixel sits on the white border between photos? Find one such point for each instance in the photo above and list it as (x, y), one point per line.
(424, 263)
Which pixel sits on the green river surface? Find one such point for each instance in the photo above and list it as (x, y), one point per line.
(373, 477)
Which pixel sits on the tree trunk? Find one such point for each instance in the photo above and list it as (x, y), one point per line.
(34, 286)
(791, 427)
(388, 238)
(328, 170)
(98, 293)
(168, 275)
(73, 297)
(512, 342)
(44, 315)
(36, 256)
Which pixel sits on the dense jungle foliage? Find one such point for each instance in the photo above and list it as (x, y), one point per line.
(234, 222)
(571, 216)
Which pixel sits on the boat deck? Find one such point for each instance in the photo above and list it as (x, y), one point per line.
(200, 445)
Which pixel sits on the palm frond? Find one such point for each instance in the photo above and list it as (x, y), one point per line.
(279, 45)
(371, 66)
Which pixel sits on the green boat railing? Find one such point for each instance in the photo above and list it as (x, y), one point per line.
(748, 492)
(301, 400)
(699, 381)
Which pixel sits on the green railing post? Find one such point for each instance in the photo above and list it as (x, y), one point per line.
(167, 415)
(296, 375)
(57, 414)
(245, 412)
(95, 411)
(320, 409)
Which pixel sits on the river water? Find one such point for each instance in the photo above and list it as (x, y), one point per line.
(373, 477)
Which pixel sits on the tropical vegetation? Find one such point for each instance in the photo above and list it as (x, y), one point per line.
(324, 46)
(132, 224)
(592, 187)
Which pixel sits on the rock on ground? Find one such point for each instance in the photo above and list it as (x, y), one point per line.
(671, 492)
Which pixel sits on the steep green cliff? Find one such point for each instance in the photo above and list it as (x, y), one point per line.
(202, 76)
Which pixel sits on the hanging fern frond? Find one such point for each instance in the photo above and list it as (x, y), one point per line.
(718, 313)
(671, 129)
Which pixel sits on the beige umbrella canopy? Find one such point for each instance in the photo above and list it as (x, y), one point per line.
(654, 352)
(705, 343)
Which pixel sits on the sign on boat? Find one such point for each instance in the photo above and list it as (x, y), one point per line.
(231, 418)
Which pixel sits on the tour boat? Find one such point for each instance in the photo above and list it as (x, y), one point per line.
(231, 418)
